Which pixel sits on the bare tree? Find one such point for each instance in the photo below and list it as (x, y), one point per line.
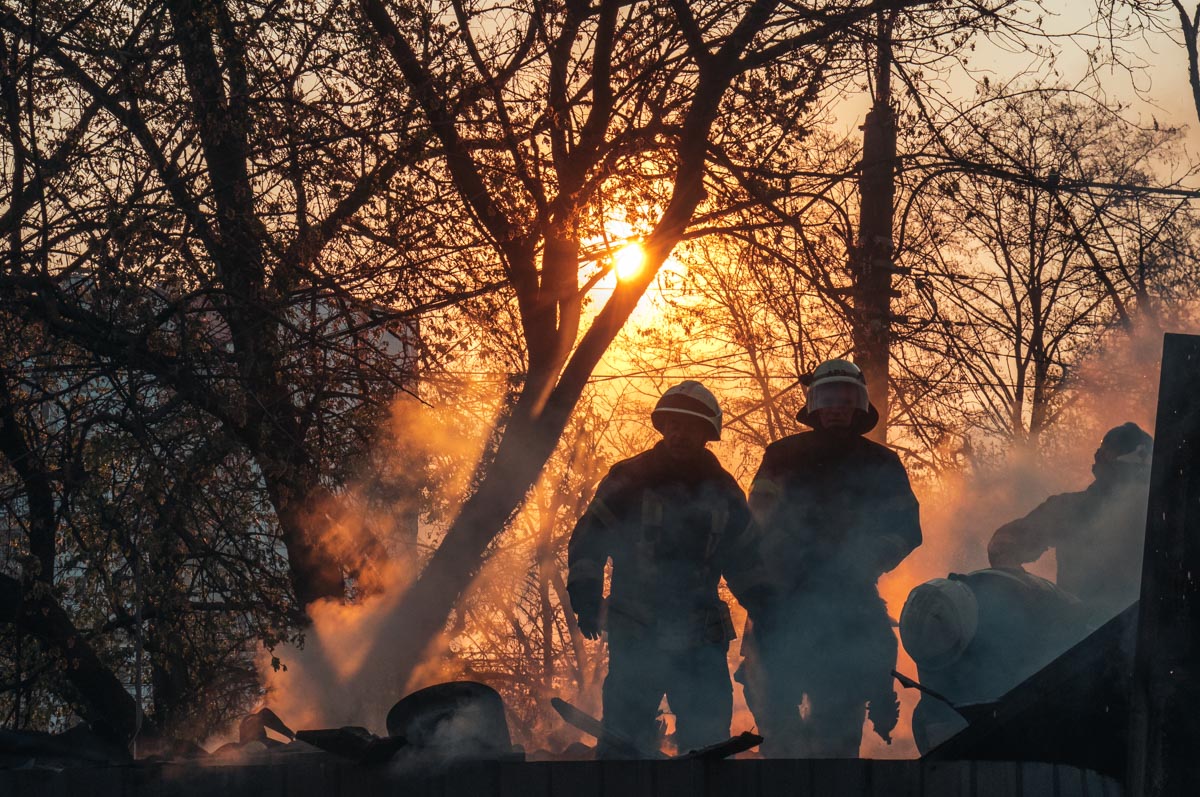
(1123, 20)
(134, 591)
(182, 185)
(1058, 234)
(536, 145)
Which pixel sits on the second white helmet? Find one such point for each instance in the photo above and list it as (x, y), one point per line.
(938, 622)
(835, 381)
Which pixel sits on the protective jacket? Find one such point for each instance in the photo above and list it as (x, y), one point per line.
(1098, 535)
(672, 530)
(836, 511)
(833, 511)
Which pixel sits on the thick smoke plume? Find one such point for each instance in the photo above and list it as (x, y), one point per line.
(421, 472)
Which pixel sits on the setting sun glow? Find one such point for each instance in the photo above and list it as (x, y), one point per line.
(628, 261)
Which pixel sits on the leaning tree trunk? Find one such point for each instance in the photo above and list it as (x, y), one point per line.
(422, 613)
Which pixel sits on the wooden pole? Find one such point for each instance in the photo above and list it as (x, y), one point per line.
(871, 259)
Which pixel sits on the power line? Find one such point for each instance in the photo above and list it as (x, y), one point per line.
(492, 377)
(659, 372)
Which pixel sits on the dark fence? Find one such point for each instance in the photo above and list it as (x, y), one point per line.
(328, 777)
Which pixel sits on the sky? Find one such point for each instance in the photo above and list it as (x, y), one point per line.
(1156, 89)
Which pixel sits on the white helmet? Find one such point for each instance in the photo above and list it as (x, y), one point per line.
(822, 392)
(938, 622)
(689, 398)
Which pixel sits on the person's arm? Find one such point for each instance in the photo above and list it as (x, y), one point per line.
(1024, 540)
(587, 554)
(740, 557)
(767, 489)
(899, 533)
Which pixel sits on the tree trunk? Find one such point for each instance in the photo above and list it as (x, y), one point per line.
(422, 612)
(315, 573)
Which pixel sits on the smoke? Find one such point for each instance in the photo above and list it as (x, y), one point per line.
(424, 466)
(1117, 383)
(461, 736)
(328, 682)
(418, 476)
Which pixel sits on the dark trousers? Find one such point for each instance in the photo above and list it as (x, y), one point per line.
(808, 724)
(808, 681)
(695, 682)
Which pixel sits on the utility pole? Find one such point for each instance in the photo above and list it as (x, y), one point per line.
(871, 265)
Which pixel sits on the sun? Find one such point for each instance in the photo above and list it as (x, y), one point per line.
(628, 261)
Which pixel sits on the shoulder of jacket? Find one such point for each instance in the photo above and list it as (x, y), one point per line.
(628, 466)
(1064, 500)
(629, 472)
(882, 452)
(787, 445)
(730, 484)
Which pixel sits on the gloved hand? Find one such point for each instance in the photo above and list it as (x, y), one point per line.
(884, 712)
(586, 604)
(589, 623)
(760, 603)
(757, 601)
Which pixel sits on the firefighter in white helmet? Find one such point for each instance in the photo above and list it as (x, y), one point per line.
(975, 636)
(834, 511)
(673, 522)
